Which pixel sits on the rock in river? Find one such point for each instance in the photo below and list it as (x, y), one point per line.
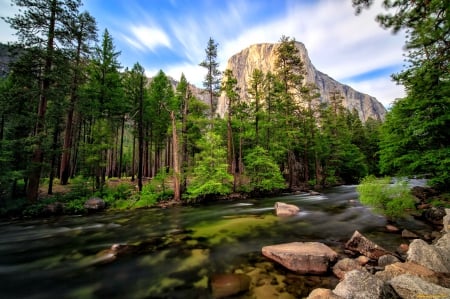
(302, 257)
(224, 285)
(361, 244)
(284, 209)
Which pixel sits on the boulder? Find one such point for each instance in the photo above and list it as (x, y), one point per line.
(359, 284)
(322, 293)
(224, 285)
(397, 269)
(302, 257)
(346, 265)
(284, 209)
(94, 204)
(411, 286)
(387, 259)
(361, 244)
(435, 257)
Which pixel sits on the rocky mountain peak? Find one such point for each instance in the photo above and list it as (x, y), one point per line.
(263, 57)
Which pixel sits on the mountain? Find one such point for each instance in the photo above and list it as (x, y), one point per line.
(263, 57)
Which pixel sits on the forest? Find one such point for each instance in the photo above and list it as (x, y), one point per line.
(71, 115)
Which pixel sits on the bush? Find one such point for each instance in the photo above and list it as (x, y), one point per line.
(392, 200)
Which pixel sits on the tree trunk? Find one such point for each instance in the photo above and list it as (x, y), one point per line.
(119, 174)
(38, 154)
(53, 160)
(176, 165)
(184, 155)
(140, 134)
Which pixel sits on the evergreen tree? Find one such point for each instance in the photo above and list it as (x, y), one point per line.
(84, 31)
(290, 73)
(103, 101)
(213, 75)
(263, 172)
(42, 24)
(415, 137)
(161, 97)
(210, 175)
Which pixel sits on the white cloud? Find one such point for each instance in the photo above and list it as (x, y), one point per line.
(339, 43)
(384, 89)
(147, 37)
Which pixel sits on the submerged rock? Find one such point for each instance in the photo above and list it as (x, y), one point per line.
(361, 244)
(224, 285)
(302, 257)
(406, 234)
(284, 209)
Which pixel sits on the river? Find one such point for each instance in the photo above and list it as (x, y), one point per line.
(174, 251)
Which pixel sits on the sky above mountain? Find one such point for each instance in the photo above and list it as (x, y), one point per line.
(172, 35)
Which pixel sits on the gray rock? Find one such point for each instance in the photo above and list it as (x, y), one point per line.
(284, 209)
(420, 271)
(387, 259)
(302, 257)
(410, 286)
(435, 257)
(359, 284)
(95, 204)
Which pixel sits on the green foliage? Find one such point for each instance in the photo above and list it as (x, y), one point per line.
(415, 137)
(263, 172)
(156, 190)
(393, 200)
(210, 175)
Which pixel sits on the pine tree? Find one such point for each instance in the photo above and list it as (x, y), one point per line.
(84, 31)
(415, 137)
(213, 75)
(42, 24)
(103, 101)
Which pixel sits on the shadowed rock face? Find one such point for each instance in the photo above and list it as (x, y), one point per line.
(263, 57)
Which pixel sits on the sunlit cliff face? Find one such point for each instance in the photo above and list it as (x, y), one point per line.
(263, 57)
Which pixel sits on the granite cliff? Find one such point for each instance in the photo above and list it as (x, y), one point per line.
(263, 57)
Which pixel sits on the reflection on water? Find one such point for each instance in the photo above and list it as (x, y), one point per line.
(174, 251)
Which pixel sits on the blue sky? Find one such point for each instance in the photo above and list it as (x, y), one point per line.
(172, 35)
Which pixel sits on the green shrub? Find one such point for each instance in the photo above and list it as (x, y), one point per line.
(392, 200)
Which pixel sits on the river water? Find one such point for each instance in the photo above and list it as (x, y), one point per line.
(173, 252)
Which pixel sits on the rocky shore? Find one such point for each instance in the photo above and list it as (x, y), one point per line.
(364, 270)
